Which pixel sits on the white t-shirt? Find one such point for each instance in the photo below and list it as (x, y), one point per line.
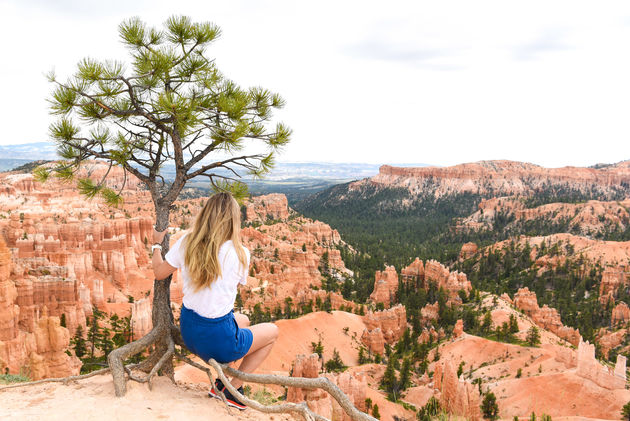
(217, 300)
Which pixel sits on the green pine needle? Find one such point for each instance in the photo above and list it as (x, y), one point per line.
(41, 174)
(112, 198)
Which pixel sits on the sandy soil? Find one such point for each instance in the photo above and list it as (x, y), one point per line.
(93, 399)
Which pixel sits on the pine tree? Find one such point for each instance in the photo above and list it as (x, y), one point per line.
(318, 347)
(437, 355)
(62, 320)
(328, 304)
(513, 324)
(364, 357)
(405, 374)
(78, 343)
(288, 307)
(375, 413)
(323, 262)
(389, 383)
(170, 105)
(94, 333)
(489, 406)
(335, 364)
(625, 412)
(533, 336)
(486, 324)
(106, 344)
(430, 410)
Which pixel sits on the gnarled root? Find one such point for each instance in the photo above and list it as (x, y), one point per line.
(64, 380)
(301, 382)
(116, 357)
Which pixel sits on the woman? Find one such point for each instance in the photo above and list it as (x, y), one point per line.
(213, 262)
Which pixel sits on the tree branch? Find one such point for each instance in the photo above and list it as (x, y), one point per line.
(217, 164)
(301, 382)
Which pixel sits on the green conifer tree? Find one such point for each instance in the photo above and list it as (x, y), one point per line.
(169, 105)
(489, 406)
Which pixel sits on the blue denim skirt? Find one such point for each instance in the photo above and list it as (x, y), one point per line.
(219, 338)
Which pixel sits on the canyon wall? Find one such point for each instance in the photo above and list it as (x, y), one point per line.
(68, 255)
(500, 177)
(33, 343)
(585, 218)
(71, 254)
(620, 314)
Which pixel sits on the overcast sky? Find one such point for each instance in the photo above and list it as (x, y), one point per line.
(438, 82)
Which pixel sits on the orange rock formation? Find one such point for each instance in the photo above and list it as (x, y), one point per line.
(421, 275)
(593, 216)
(392, 322)
(385, 286)
(612, 279)
(620, 314)
(458, 330)
(267, 207)
(545, 317)
(499, 177)
(457, 396)
(468, 250)
(589, 368)
(36, 346)
(354, 386)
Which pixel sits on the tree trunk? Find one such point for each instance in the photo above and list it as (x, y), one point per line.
(161, 336)
(161, 315)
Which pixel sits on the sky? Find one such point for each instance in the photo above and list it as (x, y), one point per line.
(441, 83)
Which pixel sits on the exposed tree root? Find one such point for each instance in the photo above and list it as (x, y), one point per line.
(64, 380)
(288, 407)
(116, 357)
(168, 356)
(301, 382)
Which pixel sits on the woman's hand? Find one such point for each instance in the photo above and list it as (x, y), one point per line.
(158, 236)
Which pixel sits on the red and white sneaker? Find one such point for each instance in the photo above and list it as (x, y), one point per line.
(231, 400)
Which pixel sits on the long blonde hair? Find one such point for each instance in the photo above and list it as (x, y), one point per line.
(218, 222)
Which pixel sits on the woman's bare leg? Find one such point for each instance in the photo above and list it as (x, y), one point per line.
(241, 320)
(265, 335)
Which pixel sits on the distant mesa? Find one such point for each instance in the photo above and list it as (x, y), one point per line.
(504, 177)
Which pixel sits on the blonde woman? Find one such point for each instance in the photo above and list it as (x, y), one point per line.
(213, 262)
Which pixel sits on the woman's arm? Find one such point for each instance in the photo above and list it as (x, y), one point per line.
(161, 269)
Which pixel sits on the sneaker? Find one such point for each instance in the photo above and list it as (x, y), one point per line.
(218, 385)
(231, 400)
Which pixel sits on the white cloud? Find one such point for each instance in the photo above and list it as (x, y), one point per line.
(400, 81)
